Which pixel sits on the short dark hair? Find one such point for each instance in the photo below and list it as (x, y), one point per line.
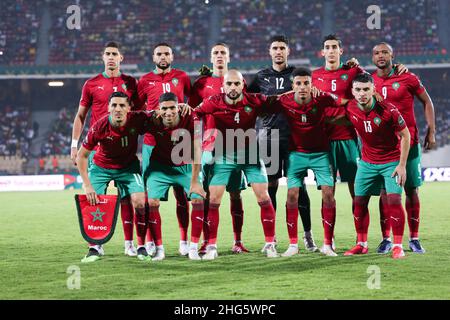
(221, 44)
(119, 94)
(301, 72)
(162, 44)
(168, 96)
(332, 37)
(112, 44)
(363, 77)
(279, 38)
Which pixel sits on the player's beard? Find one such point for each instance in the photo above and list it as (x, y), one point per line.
(163, 67)
(385, 66)
(235, 97)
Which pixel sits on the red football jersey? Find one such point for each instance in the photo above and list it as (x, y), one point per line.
(203, 88)
(152, 85)
(307, 122)
(167, 138)
(97, 90)
(338, 82)
(239, 116)
(400, 91)
(378, 131)
(117, 147)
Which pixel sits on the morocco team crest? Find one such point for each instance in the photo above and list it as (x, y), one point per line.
(377, 121)
(175, 81)
(97, 223)
(395, 86)
(248, 109)
(344, 77)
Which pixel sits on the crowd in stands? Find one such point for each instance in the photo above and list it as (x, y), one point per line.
(411, 27)
(59, 137)
(141, 24)
(246, 25)
(19, 27)
(16, 132)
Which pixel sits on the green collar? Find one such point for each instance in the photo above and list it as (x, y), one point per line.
(391, 73)
(340, 66)
(106, 75)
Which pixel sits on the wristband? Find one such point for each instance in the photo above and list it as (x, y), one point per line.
(74, 143)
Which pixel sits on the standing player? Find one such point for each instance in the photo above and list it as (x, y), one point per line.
(309, 146)
(203, 88)
(166, 171)
(95, 94)
(151, 86)
(400, 91)
(336, 78)
(235, 114)
(116, 138)
(274, 81)
(379, 125)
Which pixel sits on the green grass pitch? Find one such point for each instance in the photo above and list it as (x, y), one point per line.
(40, 240)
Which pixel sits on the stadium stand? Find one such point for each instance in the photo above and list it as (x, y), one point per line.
(16, 132)
(19, 28)
(59, 137)
(141, 25)
(259, 20)
(410, 26)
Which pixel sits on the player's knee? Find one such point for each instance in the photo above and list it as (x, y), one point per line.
(153, 202)
(197, 201)
(292, 196)
(273, 183)
(138, 201)
(410, 192)
(327, 195)
(394, 199)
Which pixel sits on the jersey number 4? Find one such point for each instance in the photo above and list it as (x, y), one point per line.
(236, 117)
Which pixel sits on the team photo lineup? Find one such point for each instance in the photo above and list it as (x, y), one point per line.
(335, 119)
(185, 152)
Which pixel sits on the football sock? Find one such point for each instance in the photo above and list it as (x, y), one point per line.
(304, 207)
(292, 222)
(182, 212)
(268, 220)
(237, 215)
(196, 221)
(361, 217)
(126, 213)
(397, 216)
(328, 221)
(154, 221)
(412, 205)
(205, 220)
(141, 226)
(384, 216)
(213, 216)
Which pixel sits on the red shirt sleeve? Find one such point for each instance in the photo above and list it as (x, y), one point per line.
(416, 86)
(136, 102)
(194, 98)
(86, 96)
(91, 140)
(397, 120)
(187, 86)
(207, 107)
(141, 93)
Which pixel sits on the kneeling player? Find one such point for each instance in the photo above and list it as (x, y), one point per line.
(378, 125)
(116, 136)
(167, 171)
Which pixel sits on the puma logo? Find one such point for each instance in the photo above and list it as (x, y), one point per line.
(415, 219)
(203, 220)
(320, 79)
(267, 79)
(210, 87)
(152, 83)
(268, 220)
(356, 218)
(153, 221)
(290, 225)
(101, 87)
(395, 219)
(331, 225)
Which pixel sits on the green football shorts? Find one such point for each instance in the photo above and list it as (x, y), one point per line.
(162, 177)
(371, 176)
(344, 156)
(146, 155)
(225, 168)
(413, 168)
(127, 180)
(300, 162)
(237, 180)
